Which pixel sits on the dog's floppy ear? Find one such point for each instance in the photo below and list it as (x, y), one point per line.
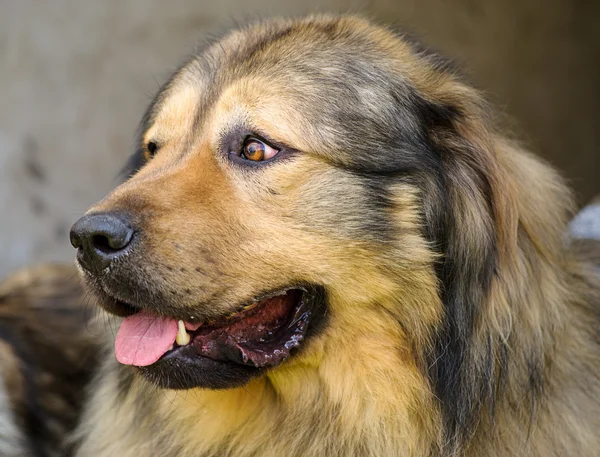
(471, 221)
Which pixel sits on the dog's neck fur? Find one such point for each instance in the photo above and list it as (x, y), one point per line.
(369, 394)
(337, 409)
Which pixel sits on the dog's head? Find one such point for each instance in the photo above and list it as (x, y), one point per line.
(303, 186)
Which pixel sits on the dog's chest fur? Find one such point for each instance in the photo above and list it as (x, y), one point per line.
(299, 411)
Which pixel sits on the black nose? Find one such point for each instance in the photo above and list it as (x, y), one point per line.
(100, 239)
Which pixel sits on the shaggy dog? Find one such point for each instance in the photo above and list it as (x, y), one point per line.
(329, 249)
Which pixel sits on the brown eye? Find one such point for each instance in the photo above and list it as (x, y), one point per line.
(257, 151)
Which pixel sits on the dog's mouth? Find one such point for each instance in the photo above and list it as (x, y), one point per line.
(259, 335)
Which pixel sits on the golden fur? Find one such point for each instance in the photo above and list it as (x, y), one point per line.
(459, 322)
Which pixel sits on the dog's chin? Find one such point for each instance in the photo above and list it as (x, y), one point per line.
(229, 351)
(185, 369)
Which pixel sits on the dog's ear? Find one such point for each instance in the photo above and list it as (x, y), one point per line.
(470, 218)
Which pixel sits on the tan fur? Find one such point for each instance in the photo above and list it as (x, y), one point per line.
(359, 388)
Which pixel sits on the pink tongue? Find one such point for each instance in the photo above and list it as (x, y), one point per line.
(143, 338)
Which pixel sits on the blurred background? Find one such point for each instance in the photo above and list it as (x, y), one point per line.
(76, 76)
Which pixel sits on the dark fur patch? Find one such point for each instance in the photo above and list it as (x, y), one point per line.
(43, 319)
(34, 417)
(463, 384)
(412, 154)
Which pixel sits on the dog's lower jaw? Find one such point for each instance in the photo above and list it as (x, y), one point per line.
(334, 402)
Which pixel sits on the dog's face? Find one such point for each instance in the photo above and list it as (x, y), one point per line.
(292, 184)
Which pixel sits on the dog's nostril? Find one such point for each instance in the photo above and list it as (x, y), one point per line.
(100, 238)
(106, 245)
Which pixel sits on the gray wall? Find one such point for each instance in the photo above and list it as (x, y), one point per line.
(75, 77)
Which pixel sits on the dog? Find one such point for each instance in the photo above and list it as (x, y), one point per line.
(327, 247)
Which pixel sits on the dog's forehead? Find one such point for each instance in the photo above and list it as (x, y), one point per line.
(308, 84)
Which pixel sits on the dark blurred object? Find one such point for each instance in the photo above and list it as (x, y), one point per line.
(47, 354)
(585, 230)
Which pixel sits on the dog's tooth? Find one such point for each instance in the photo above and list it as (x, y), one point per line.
(182, 338)
(171, 347)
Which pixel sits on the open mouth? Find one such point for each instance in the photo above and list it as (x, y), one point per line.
(223, 352)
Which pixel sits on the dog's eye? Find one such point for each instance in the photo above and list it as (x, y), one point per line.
(151, 149)
(257, 151)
